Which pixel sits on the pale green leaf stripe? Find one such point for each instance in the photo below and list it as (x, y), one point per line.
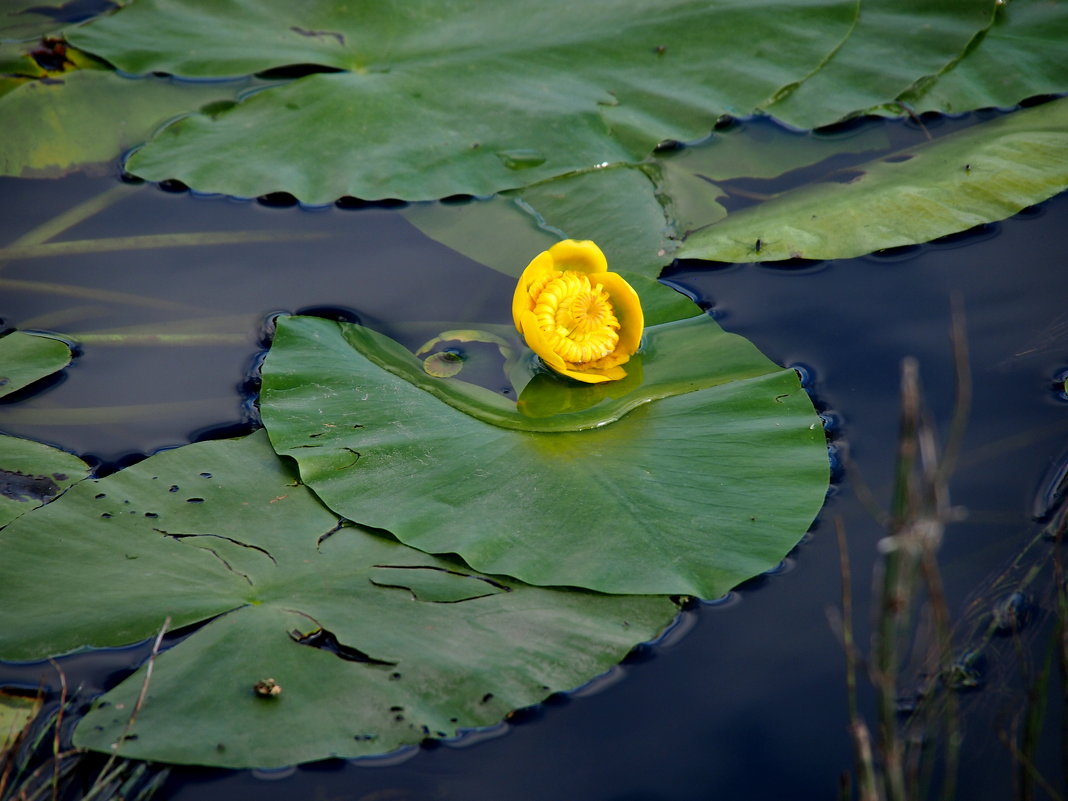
(981, 174)
(1023, 54)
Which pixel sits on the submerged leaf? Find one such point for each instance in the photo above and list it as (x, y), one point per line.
(701, 473)
(324, 639)
(620, 208)
(88, 117)
(981, 174)
(16, 712)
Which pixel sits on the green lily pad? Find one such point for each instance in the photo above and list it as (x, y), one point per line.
(893, 44)
(637, 214)
(1029, 35)
(25, 358)
(27, 20)
(32, 474)
(435, 98)
(982, 174)
(620, 208)
(699, 471)
(372, 645)
(88, 117)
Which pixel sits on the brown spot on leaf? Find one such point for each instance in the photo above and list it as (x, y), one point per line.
(26, 487)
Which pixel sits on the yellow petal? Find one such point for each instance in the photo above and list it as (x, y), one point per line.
(582, 256)
(538, 288)
(595, 376)
(528, 325)
(628, 308)
(539, 269)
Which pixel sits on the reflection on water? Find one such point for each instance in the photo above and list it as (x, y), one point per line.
(751, 700)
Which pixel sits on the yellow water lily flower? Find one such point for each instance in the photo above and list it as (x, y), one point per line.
(583, 321)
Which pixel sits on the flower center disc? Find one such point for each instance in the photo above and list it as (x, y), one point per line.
(577, 318)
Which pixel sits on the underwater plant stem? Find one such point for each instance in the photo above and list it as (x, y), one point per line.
(98, 415)
(1061, 633)
(894, 601)
(158, 340)
(962, 374)
(72, 216)
(898, 583)
(88, 293)
(865, 762)
(58, 728)
(150, 242)
(1029, 767)
(943, 656)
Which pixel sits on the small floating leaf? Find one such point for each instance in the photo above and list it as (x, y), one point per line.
(25, 358)
(16, 712)
(443, 364)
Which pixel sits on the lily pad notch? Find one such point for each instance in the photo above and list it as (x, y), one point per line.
(702, 476)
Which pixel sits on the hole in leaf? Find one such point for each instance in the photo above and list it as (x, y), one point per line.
(327, 641)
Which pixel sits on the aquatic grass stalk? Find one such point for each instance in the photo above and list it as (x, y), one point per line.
(912, 622)
(858, 729)
(119, 779)
(918, 745)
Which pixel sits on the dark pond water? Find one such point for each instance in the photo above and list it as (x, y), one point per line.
(746, 698)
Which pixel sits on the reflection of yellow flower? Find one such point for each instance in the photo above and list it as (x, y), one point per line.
(582, 320)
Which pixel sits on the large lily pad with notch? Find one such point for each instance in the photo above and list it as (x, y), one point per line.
(373, 645)
(436, 98)
(700, 470)
(981, 174)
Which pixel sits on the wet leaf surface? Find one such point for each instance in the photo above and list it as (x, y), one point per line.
(456, 98)
(32, 474)
(981, 174)
(325, 639)
(701, 470)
